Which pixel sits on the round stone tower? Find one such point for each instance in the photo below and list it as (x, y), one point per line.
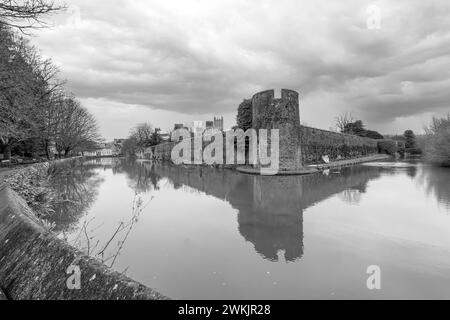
(282, 114)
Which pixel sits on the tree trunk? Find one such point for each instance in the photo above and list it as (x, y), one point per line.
(7, 152)
(47, 152)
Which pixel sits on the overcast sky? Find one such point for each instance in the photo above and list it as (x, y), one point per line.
(132, 61)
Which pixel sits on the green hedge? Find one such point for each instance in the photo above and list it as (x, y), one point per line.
(387, 146)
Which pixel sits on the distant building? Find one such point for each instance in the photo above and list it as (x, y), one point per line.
(165, 136)
(218, 123)
(102, 150)
(199, 127)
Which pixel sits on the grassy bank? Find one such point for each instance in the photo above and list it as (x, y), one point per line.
(32, 184)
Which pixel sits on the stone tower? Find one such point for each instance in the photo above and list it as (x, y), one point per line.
(282, 114)
(218, 123)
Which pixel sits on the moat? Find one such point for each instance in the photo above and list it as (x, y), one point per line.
(218, 234)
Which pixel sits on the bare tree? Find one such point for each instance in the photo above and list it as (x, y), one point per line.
(28, 84)
(16, 90)
(343, 120)
(143, 135)
(34, 108)
(27, 14)
(76, 128)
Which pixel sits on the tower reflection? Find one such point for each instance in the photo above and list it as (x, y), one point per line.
(270, 208)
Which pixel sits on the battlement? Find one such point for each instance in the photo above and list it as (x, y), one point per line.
(270, 112)
(286, 94)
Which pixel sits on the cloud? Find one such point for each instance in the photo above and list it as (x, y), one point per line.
(204, 57)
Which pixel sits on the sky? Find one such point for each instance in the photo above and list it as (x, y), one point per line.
(174, 61)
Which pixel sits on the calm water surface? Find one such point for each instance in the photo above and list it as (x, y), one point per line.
(216, 234)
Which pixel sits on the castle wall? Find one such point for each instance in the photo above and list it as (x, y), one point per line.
(316, 143)
(299, 145)
(164, 151)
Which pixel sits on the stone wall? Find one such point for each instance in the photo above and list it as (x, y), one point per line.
(163, 151)
(282, 114)
(316, 143)
(160, 152)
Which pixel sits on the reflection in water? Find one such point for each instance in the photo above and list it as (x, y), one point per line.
(270, 207)
(435, 180)
(121, 235)
(411, 171)
(140, 178)
(107, 251)
(250, 243)
(437, 183)
(74, 186)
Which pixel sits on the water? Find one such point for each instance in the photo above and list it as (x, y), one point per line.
(217, 234)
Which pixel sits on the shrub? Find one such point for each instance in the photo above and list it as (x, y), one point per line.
(387, 146)
(374, 135)
(401, 147)
(437, 141)
(410, 139)
(414, 151)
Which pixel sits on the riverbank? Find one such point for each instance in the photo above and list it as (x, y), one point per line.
(31, 182)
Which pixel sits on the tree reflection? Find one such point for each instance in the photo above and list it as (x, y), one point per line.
(74, 186)
(77, 183)
(436, 181)
(140, 175)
